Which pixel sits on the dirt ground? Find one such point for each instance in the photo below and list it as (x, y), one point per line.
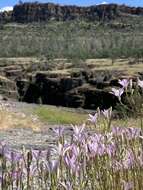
(18, 127)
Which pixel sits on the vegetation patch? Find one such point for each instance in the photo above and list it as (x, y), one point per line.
(56, 115)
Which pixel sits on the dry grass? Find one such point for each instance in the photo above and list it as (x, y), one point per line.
(9, 120)
(121, 65)
(64, 67)
(130, 122)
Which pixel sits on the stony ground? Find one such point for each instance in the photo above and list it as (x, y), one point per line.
(19, 127)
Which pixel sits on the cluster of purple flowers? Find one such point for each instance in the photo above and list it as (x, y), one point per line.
(125, 84)
(112, 159)
(108, 157)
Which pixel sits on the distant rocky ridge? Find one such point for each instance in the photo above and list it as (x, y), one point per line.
(37, 12)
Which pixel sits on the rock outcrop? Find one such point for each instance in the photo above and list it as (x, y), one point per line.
(37, 12)
(55, 86)
(87, 87)
(75, 90)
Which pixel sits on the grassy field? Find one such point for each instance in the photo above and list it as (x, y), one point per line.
(54, 115)
(73, 39)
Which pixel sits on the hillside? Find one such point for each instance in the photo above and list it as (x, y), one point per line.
(55, 31)
(69, 61)
(73, 39)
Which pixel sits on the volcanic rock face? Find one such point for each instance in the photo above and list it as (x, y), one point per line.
(69, 91)
(29, 12)
(60, 84)
(35, 12)
(75, 88)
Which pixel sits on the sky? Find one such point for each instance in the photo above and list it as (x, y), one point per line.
(8, 4)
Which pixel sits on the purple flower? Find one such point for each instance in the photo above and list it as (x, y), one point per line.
(16, 156)
(33, 169)
(140, 83)
(129, 160)
(132, 132)
(71, 155)
(60, 149)
(107, 113)
(117, 92)
(111, 149)
(96, 145)
(124, 83)
(59, 131)
(78, 132)
(78, 129)
(53, 165)
(128, 185)
(118, 131)
(92, 149)
(93, 118)
(40, 154)
(36, 154)
(16, 175)
(101, 149)
(71, 161)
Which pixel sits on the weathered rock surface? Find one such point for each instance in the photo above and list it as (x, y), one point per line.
(74, 87)
(35, 12)
(8, 88)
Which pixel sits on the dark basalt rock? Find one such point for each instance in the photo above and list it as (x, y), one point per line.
(81, 88)
(78, 88)
(8, 88)
(48, 90)
(37, 12)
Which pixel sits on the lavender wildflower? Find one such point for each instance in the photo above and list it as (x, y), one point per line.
(124, 83)
(53, 165)
(128, 185)
(93, 118)
(107, 113)
(59, 131)
(129, 160)
(117, 92)
(78, 132)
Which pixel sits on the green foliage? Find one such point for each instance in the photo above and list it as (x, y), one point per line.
(59, 116)
(73, 39)
(131, 105)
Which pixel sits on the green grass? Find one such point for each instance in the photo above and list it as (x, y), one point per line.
(55, 115)
(73, 39)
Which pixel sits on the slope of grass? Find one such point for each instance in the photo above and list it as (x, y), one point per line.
(54, 115)
(73, 39)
